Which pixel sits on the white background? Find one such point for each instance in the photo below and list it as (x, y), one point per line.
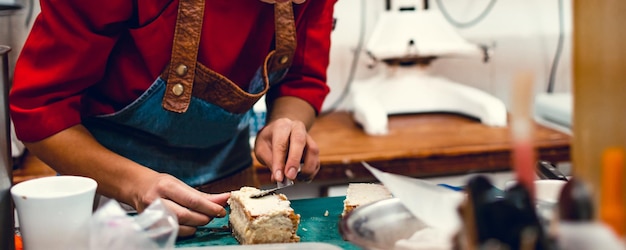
(524, 32)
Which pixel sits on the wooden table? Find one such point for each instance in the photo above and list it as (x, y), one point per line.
(418, 145)
(421, 145)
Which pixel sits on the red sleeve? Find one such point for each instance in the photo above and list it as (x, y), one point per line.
(306, 78)
(65, 53)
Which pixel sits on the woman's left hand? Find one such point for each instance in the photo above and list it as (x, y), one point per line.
(286, 148)
(274, 1)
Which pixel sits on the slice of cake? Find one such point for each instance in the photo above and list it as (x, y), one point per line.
(359, 194)
(269, 219)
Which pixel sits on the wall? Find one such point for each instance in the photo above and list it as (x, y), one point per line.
(524, 33)
(14, 27)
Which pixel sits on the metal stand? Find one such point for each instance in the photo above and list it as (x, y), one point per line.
(411, 89)
(7, 232)
(405, 43)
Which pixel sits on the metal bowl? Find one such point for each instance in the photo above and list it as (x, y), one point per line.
(379, 225)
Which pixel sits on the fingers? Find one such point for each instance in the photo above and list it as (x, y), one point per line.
(297, 145)
(191, 207)
(311, 163)
(220, 199)
(263, 147)
(286, 148)
(193, 200)
(288, 143)
(185, 216)
(186, 196)
(281, 132)
(189, 220)
(184, 231)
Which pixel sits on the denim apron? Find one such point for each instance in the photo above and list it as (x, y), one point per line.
(193, 122)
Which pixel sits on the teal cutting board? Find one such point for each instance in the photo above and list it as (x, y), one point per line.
(315, 225)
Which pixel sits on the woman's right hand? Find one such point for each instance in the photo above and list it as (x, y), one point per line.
(192, 207)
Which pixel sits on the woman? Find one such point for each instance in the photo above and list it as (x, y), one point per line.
(152, 98)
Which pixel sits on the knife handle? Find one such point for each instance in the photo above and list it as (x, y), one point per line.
(547, 170)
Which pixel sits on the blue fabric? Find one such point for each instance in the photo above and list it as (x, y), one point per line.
(200, 145)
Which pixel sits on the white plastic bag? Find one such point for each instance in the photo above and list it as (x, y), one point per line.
(112, 228)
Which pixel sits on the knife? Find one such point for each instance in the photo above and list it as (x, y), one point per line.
(279, 185)
(547, 170)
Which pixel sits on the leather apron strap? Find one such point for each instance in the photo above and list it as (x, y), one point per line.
(285, 36)
(181, 72)
(184, 55)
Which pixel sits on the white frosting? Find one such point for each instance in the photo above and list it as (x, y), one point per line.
(364, 193)
(274, 203)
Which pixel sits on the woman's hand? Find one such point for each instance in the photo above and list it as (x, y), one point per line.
(192, 207)
(274, 1)
(282, 145)
(127, 181)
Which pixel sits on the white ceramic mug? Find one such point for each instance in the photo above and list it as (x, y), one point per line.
(53, 212)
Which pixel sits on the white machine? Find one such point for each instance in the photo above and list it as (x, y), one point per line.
(404, 41)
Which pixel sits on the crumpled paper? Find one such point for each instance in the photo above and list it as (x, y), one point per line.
(111, 227)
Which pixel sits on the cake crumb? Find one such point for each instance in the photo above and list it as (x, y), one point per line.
(326, 213)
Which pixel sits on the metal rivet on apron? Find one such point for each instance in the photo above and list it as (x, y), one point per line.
(178, 89)
(181, 70)
(284, 59)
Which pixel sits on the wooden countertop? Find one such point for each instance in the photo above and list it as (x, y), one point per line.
(421, 145)
(418, 145)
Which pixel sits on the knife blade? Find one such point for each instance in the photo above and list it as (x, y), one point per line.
(279, 185)
(547, 170)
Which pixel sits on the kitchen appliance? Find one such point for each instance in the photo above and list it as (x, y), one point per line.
(405, 41)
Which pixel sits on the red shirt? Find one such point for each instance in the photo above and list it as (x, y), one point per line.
(95, 57)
